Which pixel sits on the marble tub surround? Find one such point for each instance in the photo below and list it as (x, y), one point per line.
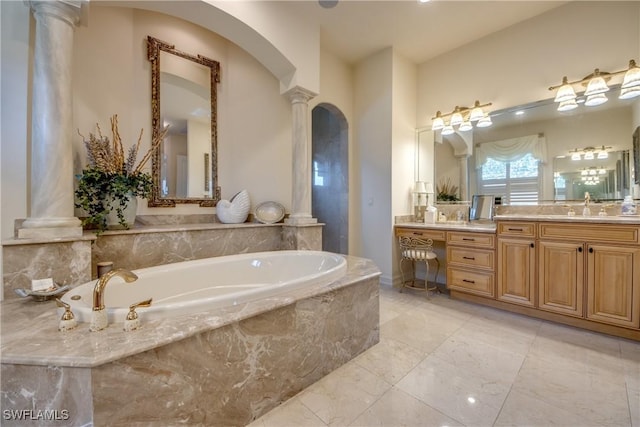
(305, 237)
(177, 238)
(223, 367)
(165, 244)
(66, 261)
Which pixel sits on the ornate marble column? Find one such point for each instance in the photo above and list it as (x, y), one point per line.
(301, 197)
(52, 211)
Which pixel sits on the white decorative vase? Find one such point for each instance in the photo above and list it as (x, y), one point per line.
(234, 211)
(129, 212)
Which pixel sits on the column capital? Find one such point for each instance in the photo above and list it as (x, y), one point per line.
(299, 94)
(73, 12)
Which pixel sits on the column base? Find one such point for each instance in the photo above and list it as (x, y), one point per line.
(38, 228)
(300, 220)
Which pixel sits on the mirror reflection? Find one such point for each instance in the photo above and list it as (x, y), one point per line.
(495, 166)
(604, 178)
(184, 99)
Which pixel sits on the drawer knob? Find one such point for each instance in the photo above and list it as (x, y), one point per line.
(468, 257)
(468, 281)
(468, 239)
(516, 229)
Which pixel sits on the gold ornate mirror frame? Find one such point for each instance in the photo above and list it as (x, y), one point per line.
(154, 47)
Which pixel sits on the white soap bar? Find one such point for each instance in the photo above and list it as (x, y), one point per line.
(41, 284)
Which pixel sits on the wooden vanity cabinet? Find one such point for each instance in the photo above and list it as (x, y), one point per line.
(561, 277)
(591, 272)
(471, 263)
(613, 284)
(517, 263)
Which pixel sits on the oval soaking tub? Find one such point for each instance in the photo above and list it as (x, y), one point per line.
(195, 286)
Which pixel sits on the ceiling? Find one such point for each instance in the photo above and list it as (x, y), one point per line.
(355, 29)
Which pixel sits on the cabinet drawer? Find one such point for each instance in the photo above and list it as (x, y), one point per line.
(590, 233)
(421, 233)
(471, 281)
(517, 229)
(474, 240)
(480, 258)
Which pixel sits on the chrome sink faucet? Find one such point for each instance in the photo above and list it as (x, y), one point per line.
(99, 318)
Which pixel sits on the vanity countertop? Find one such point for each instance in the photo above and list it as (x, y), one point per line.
(30, 333)
(593, 219)
(479, 227)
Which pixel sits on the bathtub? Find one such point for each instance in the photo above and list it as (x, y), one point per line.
(200, 285)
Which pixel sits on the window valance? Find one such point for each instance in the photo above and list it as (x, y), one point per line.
(513, 149)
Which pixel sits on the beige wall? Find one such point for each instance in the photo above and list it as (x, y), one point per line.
(373, 109)
(254, 136)
(516, 66)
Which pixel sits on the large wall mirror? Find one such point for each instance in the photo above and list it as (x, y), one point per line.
(183, 97)
(608, 127)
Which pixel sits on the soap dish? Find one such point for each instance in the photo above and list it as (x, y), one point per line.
(45, 295)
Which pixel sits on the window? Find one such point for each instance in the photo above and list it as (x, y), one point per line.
(516, 181)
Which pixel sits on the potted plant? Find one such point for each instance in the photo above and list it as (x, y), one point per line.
(111, 181)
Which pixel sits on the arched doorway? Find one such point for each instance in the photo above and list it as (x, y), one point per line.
(330, 176)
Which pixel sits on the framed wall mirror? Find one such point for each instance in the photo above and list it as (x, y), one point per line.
(607, 127)
(184, 98)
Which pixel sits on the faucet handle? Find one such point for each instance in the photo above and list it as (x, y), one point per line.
(132, 321)
(68, 320)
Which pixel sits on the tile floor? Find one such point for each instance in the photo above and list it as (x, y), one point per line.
(442, 362)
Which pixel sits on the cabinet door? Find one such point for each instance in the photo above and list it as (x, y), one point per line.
(613, 285)
(561, 277)
(516, 271)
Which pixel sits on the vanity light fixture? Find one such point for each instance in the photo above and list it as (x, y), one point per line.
(438, 122)
(463, 118)
(465, 126)
(597, 85)
(590, 153)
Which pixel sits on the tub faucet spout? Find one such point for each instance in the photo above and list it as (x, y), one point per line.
(99, 319)
(98, 291)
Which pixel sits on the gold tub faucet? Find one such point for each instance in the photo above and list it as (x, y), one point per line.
(99, 315)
